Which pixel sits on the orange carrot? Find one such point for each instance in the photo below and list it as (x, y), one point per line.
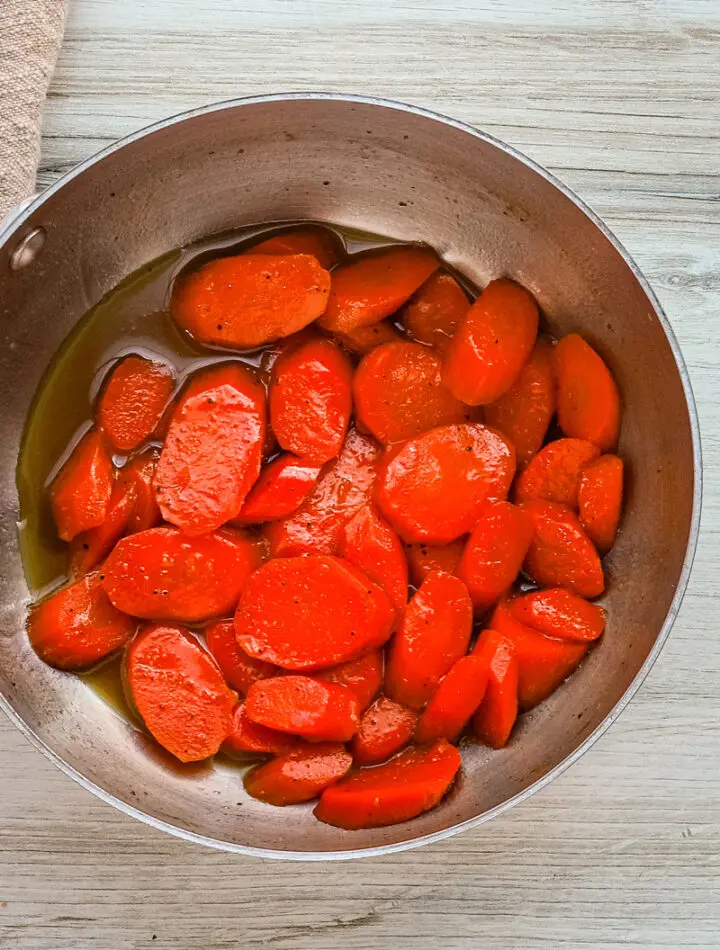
(423, 558)
(434, 487)
(434, 633)
(316, 710)
(239, 669)
(399, 393)
(588, 399)
(363, 676)
(179, 692)
(90, 547)
(561, 554)
(80, 494)
(251, 299)
(457, 697)
(600, 500)
(281, 489)
(363, 339)
(371, 287)
(384, 729)
(368, 542)
(212, 453)
(248, 736)
(139, 473)
(298, 775)
(77, 625)
(324, 245)
(559, 613)
(306, 613)
(496, 715)
(492, 344)
(554, 473)
(434, 313)
(133, 401)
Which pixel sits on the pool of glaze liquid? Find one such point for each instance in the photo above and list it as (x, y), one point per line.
(132, 318)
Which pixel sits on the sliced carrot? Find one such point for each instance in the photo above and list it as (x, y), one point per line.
(496, 715)
(561, 554)
(433, 488)
(77, 625)
(455, 700)
(212, 453)
(179, 692)
(281, 489)
(384, 729)
(299, 775)
(434, 633)
(324, 245)
(239, 669)
(248, 736)
(495, 552)
(314, 709)
(161, 574)
(492, 344)
(133, 400)
(363, 676)
(139, 473)
(306, 613)
(543, 663)
(311, 399)
(554, 473)
(369, 288)
(90, 547)
(80, 494)
(410, 784)
(524, 411)
(399, 393)
(600, 500)
(345, 485)
(251, 299)
(559, 613)
(588, 399)
(368, 542)
(434, 312)
(363, 339)
(423, 558)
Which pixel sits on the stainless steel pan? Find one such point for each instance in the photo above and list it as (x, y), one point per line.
(388, 169)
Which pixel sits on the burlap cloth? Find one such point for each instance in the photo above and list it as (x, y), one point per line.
(30, 34)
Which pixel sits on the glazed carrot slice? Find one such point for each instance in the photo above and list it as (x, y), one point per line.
(324, 245)
(248, 736)
(588, 399)
(239, 669)
(369, 288)
(251, 299)
(457, 697)
(543, 663)
(561, 554)
(433, 488)
(306, 613)
(554, 473)
(363, 339)
(311, 399)
(139, 473)
(77, 625)
(161, 574)
(363, 676)
(80, 494)
(492, 344)
(281, 489)
(496, 715)
(495, 552)
(600, 500)
(133, 400)
(559, 613)
(410, 784)
(370, 544)
(524, 411)
(299, 775)
(212, 453)
(90, 547)
(345, 485)
(434, 312)
(304, 706)
(399, 393)
(434, 633)
(384, 729)
(179, 692)
(423, 558)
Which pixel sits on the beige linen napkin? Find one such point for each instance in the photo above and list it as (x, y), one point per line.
(30, 34)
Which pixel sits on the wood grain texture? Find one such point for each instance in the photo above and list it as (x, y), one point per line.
(620, 99)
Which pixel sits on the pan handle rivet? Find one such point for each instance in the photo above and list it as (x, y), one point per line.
(28, 249)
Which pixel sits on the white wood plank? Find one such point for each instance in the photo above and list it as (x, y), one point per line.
(619, 97)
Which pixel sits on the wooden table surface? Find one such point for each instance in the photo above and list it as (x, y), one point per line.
(620, 99)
